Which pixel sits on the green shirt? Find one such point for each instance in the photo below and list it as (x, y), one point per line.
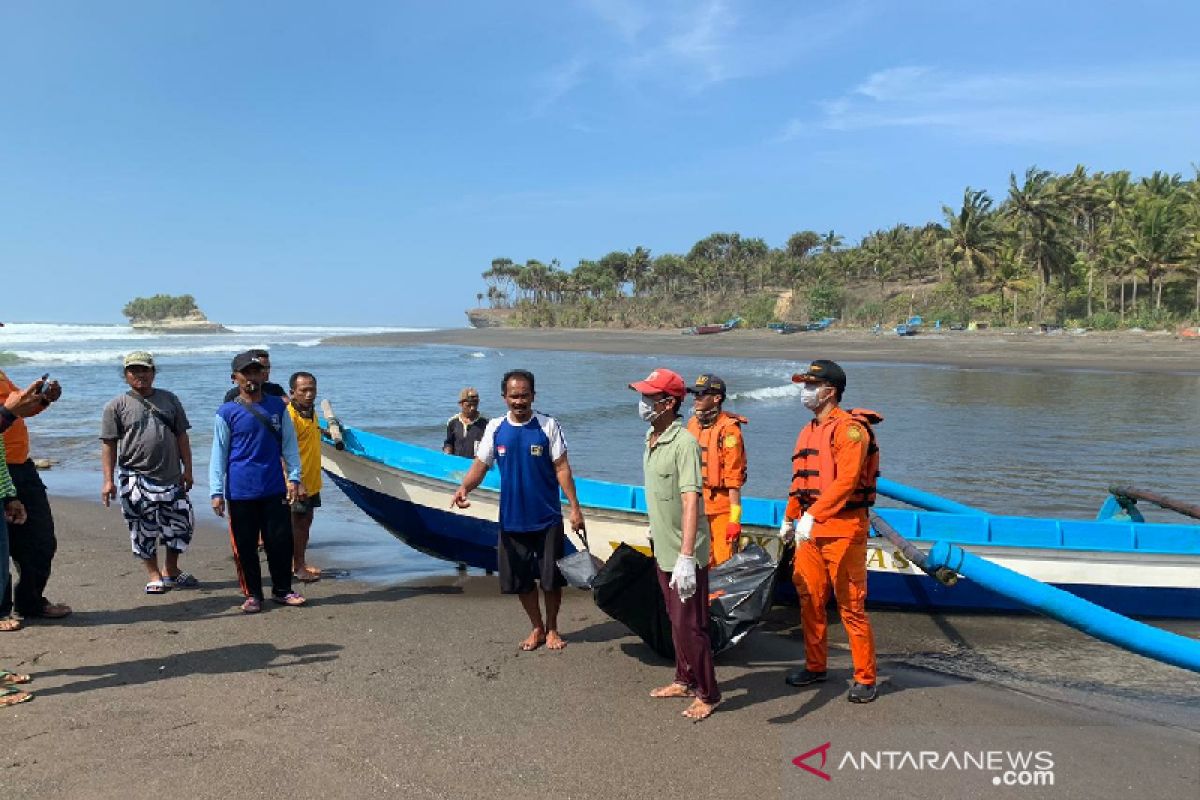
(672, 468)
(7, 490)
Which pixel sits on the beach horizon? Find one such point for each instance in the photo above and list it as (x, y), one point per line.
(1155, 352)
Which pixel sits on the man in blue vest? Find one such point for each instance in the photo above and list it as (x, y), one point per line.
(251, 434)
(532, 455)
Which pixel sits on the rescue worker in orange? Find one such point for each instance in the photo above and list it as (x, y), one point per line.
(835, 467)
(722, 464)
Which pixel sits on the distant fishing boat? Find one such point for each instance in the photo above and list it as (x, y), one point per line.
(1133, 568)
(700, 330)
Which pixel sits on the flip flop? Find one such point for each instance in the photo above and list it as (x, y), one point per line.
(184, 580)
(711, 708)
(662, 692)
(157, 587)
(304, 576)
(10, 697)
(12, 678)
(289, 599)
(10, 624)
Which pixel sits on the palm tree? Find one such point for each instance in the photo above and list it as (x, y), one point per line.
(973, 237)
(1037, 209)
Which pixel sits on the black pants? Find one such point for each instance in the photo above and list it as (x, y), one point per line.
(272, 519)
(32, 545)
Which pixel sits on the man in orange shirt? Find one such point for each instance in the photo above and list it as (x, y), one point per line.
(835, 468)
(31, 544)
(722, 464)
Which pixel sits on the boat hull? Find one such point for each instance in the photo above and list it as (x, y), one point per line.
(417, 510)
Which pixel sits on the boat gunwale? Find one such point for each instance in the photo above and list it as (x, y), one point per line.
(1145, 556)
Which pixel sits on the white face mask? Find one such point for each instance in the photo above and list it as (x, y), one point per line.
(646, 410)
(810, 396)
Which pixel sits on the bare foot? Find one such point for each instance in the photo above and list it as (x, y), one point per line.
(699, 710)
(672, 690)
(554, 641)
(534, 640)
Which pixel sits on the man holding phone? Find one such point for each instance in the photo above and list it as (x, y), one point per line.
(32, 543)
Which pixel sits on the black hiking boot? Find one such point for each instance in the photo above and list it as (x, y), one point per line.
(802, 676)
(861, 692)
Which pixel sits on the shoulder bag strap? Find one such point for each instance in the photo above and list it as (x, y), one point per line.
(156, 411)
(261, 417)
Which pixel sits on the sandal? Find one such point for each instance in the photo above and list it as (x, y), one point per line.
(12, 678)
(55, 611)
(673, 690)
(184, 580)
(157, 587)
(289, 599)
(10, 697)
(252, 605)
(307, 576)
(696, 715)
(10, 624)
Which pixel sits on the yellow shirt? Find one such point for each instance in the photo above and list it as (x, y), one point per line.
(308, 437)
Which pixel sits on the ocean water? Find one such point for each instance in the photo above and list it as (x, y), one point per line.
(1015, 441)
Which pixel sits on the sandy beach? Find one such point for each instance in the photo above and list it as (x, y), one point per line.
(418, 691)
(1122, 351)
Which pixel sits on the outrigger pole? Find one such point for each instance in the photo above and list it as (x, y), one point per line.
(1127, 497)
(1094, 620)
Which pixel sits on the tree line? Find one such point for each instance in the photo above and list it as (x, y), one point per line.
(1100, 249)
(159, 307)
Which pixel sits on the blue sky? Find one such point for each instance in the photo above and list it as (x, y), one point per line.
(363, 162)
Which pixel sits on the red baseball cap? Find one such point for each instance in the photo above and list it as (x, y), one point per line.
(661, 381)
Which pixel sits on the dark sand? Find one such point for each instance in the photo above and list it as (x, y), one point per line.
(1109, 352)
(419, 692)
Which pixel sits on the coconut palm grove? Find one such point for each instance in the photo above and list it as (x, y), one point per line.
(1102, 250)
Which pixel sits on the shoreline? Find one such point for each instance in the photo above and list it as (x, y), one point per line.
(1118, 352)
(417, 690)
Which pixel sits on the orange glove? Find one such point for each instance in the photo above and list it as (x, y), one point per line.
(734, 529)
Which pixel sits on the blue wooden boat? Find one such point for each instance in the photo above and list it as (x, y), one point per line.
(1131, 567)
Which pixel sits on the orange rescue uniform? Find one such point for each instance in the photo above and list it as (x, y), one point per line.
(834, 472)
(723, 466)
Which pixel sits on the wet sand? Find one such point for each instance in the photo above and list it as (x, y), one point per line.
(418, 691)
(1122, 351)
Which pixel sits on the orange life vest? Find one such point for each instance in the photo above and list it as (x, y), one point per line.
(814, 467)
(711, 439)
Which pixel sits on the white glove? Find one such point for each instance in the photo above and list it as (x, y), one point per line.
(804, 527)
(787, 529)
(683, 577)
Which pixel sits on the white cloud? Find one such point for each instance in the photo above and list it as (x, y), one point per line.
(694, 46)
(628, 17)
(558, 82)
(1083, 104)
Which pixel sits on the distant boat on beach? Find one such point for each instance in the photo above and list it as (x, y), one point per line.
(1131, 567)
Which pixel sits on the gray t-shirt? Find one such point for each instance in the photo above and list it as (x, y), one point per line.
(146, 444)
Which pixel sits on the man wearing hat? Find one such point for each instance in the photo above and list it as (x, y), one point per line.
(681, 538)
(145, 432)
(250, 436)
(465, 429)
(722, 463)
(835, 467)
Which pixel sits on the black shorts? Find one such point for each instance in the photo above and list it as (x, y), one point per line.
(528, 558)
(309, 503)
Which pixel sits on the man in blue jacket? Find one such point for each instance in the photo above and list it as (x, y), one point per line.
(251, 434)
